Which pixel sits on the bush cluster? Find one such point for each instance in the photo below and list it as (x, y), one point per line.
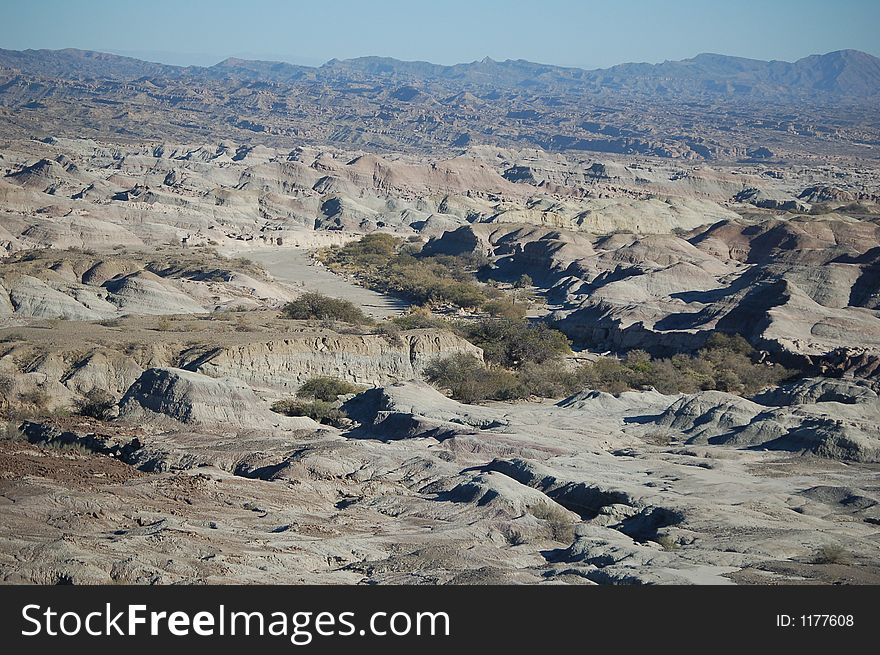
(385, 263)
(421, 318)
(326, 388)
(469, 381)
(514, 343)
(522, 359)
(521, 363)
(318, 398)
(725, 363)
(316, 306)
(318, 410)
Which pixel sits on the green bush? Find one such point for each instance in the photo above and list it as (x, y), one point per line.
(526, 360)
(469, 381)
(316, 306)
(511, 343)
(385, 263)
(725, 363)
(549, 379)
(326, 388)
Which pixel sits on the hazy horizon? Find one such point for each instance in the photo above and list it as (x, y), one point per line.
(586, 35)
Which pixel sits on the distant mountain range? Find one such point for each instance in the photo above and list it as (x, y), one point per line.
(844, 73)
(708, 107)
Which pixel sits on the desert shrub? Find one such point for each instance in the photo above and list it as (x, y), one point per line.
(731, 342)
(318, 410)
(385, 263)
(513, 536)
(469, 381)
(326, 388)
(504, 308)
(9, 430)
(559, 524)
(549, 379)
(523, 282)
(37, 398)
(371, 251)
(725, 363)
(97, 403)
(7, 384)
(316, 306)
(429, 282)
(390, 331)
(606, 374)
(511, 343)
(831, 554)
(667, 542)
(420, 318)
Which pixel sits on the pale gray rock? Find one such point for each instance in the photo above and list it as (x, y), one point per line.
(190, 397)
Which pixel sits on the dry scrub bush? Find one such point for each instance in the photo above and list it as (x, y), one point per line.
(559, 525)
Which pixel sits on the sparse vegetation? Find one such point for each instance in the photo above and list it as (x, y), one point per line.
(326, 388)
(421, 318)
(505, 308)
(391, 332)
(38, 399)
(97, 403)
(316, 306)
(548, 379)
(513, 536)
(7, 384)
(318, 398)
(522, 359)
(318, 410)
(469, 381)
(525, 360)
(725, 363)
(512, 343)
(385, 263)
(667, 542)
(559, 525)
(832, 554)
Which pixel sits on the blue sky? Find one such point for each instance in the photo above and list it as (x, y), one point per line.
(586, 33)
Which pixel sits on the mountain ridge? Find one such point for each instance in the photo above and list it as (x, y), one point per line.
(851, 73)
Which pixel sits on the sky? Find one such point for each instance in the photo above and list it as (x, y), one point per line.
(581, 33)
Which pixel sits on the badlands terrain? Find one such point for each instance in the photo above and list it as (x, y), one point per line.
(702, 237)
